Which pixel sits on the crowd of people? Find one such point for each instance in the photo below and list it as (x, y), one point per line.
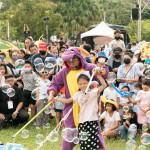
(68, 82)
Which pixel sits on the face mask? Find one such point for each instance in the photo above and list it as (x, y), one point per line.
(15, 58)
(135, 92)
(101, 60)
(42, 52)
(117, 56)
(117, 38)
(27, 69)
(127, 61)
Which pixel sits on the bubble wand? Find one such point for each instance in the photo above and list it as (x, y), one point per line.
(31, 119)
(56, 129)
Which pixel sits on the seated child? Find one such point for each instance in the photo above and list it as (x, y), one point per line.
(130, 118)
(124, 101)
(111, 118)
(114, 94)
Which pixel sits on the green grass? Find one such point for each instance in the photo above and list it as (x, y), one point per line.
(5, 45)
(29, 143)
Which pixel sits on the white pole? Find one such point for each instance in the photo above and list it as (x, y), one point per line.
(8, 29)
(0, 24)
(104, 16)
(139, 21)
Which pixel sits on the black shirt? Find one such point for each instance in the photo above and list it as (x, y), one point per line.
(116, 64)
(16, 99)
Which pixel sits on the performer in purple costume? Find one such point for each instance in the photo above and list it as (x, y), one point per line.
(75, 63)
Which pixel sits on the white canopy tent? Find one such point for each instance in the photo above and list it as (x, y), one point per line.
(100, 30)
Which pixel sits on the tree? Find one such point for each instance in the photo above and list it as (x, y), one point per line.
(31, 12)
(132, 28)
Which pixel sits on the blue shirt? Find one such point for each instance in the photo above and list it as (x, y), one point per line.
(131, 75)
(39, 56)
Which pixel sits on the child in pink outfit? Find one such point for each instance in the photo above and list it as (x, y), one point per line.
(88, 116)
(143, 100)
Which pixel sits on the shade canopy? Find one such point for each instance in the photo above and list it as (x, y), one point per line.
(100, 30)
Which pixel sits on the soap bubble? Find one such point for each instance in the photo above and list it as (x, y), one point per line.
(69, 134)
(76, 140)
(144, 105)
(5, 87)
(25, 134)
(93, 85)
(60, 62)
(111, 77)
(49, 67)
(148, 113)
(135, 108)
(10, 92)
(147, 74)
(83, 136)
(39, 67)
(50, 60)
(145, 127)
(48, 110)
(132, 131)
(53, 137)
(125, 108)
(141, 147)
(39, 139)
(131, 144)
(145, 138)
(38, 61)
(36, 93)
(148, 117)
(19, 64)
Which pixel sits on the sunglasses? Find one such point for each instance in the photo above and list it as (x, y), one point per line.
(44, 72)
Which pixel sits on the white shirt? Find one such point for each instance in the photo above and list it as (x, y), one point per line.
(111, 94)
(110, 121)
(88, 105)
(44, 85)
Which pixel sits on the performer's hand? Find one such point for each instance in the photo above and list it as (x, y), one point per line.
(97, 70)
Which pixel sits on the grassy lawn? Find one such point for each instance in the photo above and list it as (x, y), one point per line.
(29, 143)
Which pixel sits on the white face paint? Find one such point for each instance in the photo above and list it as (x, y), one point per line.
(101, 60)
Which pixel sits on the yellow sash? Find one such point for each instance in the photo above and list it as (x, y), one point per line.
(73, 88)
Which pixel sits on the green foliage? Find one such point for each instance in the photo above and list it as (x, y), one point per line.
(30, 12)
(132, 28)
(69, 16)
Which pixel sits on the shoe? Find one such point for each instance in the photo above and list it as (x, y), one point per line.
(37, 128)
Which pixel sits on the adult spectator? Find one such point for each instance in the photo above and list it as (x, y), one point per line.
(11, 108)
(13, 55)
(61, 42)
(117, 42)
(26, 31)
(21, 54)
(128, 73)
(53, 50)
(88, 48)
(92, 55)
(33, 49)
(43, 54)
(134, 48)
(28, 41)
(115, 59)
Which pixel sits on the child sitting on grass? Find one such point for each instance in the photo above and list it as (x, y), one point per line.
(130, 118)
(111, 119)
